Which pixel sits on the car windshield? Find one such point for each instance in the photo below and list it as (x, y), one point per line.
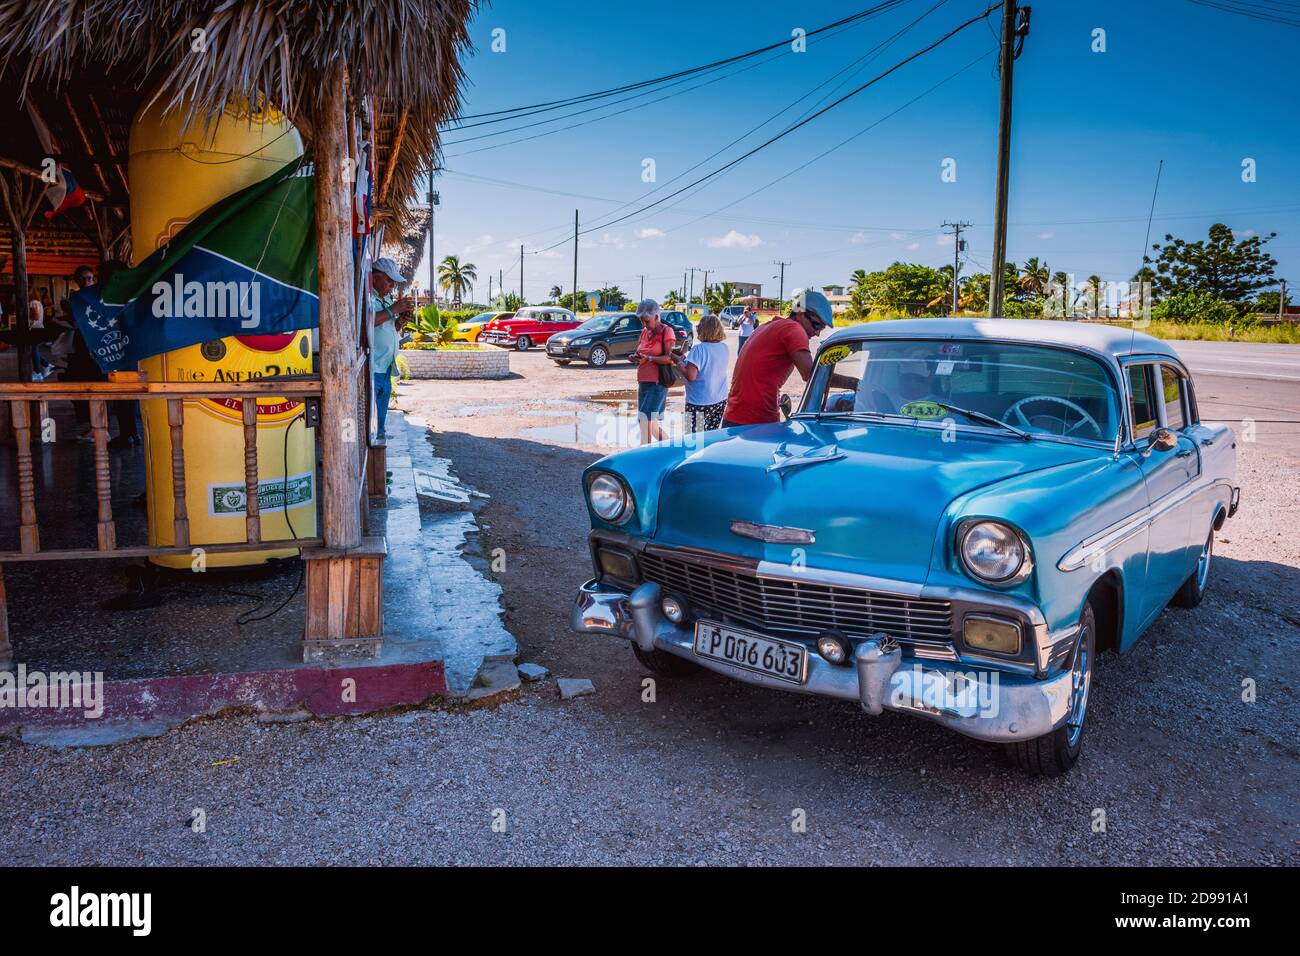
(1037, 390)
(529, 314)
(480, 318)
(599, 324)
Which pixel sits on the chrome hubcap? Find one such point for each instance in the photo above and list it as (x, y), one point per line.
(1080, 681)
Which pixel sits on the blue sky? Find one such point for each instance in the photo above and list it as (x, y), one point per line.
(1199, 88)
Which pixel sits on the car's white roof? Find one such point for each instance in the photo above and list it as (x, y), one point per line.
(1095, 336)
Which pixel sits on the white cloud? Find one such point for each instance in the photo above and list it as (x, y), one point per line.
(858, 238)
(913, 246)
(1245, 233)
(734, 240)
(1046, 235)
(650, 233)
(897, 236)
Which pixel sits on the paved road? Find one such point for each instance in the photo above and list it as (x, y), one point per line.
(1243, 383)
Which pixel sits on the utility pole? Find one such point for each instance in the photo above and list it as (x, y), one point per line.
(521, 274)
(1281, 301)
(684, 286)
(434, 199)
(780, 295)
(958, 247)
(575, 261)
(489, 290)
(642, 278)
(705, 291)
(1015, 25)
(691, 294)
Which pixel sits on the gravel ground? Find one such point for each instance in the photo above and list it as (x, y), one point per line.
(711, 771)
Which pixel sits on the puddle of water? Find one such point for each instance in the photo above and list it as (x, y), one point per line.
(616, 396)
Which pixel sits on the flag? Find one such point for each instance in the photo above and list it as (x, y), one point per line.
(64, 193)
(246, 266)
(361, 209)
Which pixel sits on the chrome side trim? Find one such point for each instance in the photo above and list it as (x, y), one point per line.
(1125, 528)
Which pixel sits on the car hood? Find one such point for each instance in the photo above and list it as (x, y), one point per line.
(873, 495)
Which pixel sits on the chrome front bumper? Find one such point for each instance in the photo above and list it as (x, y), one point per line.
(986, 704)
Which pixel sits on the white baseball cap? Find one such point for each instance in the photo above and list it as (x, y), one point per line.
(389, 268)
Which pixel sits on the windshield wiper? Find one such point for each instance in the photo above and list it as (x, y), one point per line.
(986, 420)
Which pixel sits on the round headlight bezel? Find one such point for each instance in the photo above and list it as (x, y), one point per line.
(1018, 574)
(609, 481)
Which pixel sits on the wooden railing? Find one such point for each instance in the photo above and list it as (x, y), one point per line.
(20, 398)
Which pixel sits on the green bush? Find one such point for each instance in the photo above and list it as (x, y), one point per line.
(1195, 307)
(1030, 309)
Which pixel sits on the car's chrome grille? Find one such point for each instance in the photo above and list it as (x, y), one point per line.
(800, 608)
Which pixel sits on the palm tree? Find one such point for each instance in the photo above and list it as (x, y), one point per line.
(1034, 277)
(1093, 289)
(671, 300)
(719, 296)
(556, 292)
(456, 278)
(1060, 292)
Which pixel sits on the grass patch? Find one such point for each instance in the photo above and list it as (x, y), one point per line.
(1286, 333)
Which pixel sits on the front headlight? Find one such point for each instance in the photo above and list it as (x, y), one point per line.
(463, 328)
(993, 552)
(609, 498)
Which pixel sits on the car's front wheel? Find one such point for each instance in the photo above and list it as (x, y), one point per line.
(599, 356)
(664, 664)
(1193, 590)
(523, 343)
(1053, 754)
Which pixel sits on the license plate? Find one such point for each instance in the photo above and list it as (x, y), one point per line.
(753, 652)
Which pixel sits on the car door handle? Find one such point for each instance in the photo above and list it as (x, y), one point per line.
(1207, 442)
(1185, 453)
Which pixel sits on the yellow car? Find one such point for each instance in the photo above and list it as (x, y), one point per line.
(468, 330)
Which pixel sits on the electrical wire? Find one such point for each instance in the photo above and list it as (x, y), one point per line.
(251, 616)
(792, 128)
(1265, 14)
(585, 97)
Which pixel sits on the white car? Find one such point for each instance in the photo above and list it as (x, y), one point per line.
(730, 316)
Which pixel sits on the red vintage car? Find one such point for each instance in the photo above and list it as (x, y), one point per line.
(529, 326)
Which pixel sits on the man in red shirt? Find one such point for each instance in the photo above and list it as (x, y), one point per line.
(772, 351)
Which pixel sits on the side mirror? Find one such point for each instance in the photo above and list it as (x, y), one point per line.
(786, 407)
(1162, 439)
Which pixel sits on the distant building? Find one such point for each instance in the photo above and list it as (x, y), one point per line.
(836, 297)
(746, 289)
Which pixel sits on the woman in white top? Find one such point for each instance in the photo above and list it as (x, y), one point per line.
(705, 370)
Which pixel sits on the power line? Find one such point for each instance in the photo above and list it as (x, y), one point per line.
(790, 129)
(856, 66)
(1252, 11)
(581, 98)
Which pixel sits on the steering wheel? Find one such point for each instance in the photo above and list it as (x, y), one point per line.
(1046, 422)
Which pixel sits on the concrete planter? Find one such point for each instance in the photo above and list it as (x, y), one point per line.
(457, 363)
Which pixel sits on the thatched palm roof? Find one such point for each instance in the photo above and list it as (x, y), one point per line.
(408, 248)
(402, 55)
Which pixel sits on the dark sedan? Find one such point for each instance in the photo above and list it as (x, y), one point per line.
(610, 336)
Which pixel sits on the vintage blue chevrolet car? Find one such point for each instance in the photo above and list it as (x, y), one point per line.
(958, 518)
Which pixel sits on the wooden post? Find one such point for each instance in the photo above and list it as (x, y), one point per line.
(6, 649)
(345, 594)
(29, 537)
(252, 502)
(15, 197)
(106, 534)
(180, 511)
(340, 431)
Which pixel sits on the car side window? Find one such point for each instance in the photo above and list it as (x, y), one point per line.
(1140, 400)
(1171, 384)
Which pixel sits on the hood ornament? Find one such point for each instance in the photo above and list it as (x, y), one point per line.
(783, 460)
(773, 534)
